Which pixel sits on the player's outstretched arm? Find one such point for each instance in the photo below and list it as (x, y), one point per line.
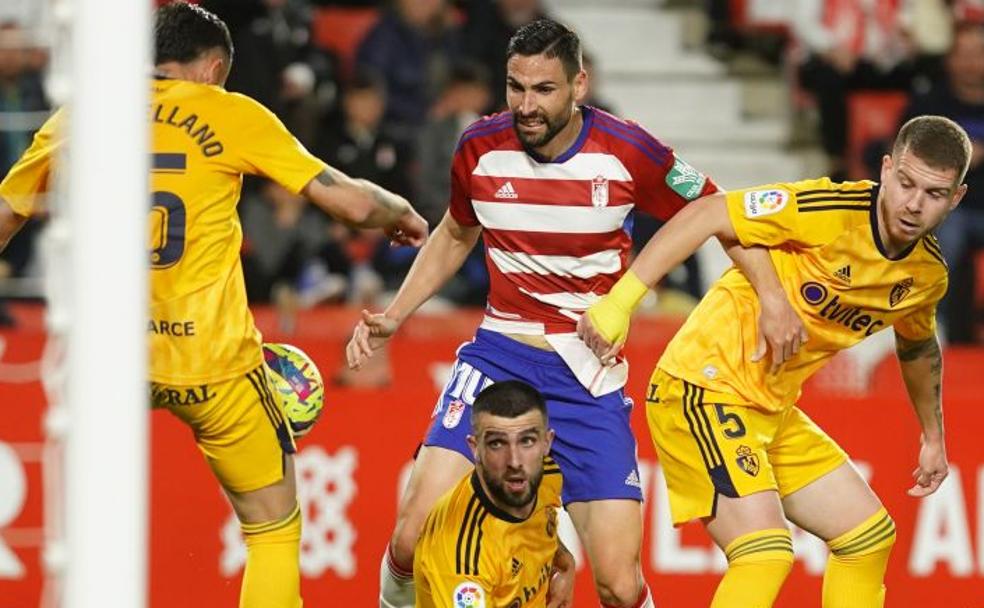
(605, 326)
(780, 330)
(437, 262)
(363, 204)
(922, 369)
(10, 223)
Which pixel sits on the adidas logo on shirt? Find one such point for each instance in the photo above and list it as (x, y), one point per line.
(506, 191)
(844, 274)
(633, 479)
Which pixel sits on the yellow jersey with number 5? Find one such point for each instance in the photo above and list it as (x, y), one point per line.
(204, 139)
(824, 241)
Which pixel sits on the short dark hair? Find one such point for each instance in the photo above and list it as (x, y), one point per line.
(937, 141)
(508, 399)
(182, 32)
(547, 37)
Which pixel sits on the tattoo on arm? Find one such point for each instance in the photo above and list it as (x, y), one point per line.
(910, 350)
(326, 178)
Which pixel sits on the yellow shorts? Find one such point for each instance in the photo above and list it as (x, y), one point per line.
(707, 449)
(238, 425)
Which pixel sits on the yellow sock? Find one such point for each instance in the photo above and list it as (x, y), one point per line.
(856, 568)
(272, 578)
(758, 564)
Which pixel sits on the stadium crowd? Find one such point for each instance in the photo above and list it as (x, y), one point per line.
(382, 90)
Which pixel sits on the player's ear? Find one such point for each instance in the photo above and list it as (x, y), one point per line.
(580, 86)
(550, 438)
(958, 196)
(886, 167)
(473, 445)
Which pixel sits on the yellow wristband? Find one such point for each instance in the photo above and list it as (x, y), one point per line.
(628, 291)
(610, 315)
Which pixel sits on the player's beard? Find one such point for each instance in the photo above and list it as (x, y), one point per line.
(553, 124)
(497, 488)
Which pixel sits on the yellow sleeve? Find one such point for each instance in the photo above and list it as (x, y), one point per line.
(764, 215)
(29, 176)
(267, 148)
(919, 324)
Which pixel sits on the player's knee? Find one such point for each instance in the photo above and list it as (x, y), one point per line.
(767, 551)
(872, 540)
(405, 534)
(620, 587)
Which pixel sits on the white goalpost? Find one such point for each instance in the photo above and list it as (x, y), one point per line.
(96, 549)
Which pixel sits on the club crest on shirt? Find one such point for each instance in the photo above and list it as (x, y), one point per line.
(468, 595)
(747, 460)
(899, 291)
(453, 414)
(599, 191)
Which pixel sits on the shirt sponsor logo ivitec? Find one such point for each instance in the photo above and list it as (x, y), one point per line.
(854, 318)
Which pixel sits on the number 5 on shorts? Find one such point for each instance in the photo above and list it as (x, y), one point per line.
(724, 418)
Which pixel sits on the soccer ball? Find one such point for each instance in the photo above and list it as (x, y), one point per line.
(296, 381)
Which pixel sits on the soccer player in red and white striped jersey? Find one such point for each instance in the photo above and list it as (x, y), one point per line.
(553, 187)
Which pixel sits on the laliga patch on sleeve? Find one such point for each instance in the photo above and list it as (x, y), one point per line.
(685, 180)
(759, 203)
(469, 595)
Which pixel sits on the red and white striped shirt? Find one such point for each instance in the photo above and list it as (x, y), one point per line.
(558, 232)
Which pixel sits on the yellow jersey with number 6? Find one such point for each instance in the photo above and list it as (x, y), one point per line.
(204, 139)
(824, 241)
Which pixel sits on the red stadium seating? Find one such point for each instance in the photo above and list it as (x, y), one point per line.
(872, 115)
(342, 29)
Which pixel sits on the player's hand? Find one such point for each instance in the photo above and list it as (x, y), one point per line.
(371, 333)
(560, 591)
(780, 331)
(603, 347)
(932, 469)
(410, 230)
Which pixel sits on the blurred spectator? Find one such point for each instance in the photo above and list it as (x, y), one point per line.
(277, 64)
(360, 145)
(23, 108)
(410, 46)
(849, 45)
(464, 98)
(929, 24)
(283, 238)
(722, 39)
(488, 27)
(961, 97)
(593, 98)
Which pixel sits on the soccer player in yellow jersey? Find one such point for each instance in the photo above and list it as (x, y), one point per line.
(855, 258)
(206, 362)
(491, 541)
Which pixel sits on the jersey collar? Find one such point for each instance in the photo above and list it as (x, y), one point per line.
(873, 216)
(587, 114)
(491, 507)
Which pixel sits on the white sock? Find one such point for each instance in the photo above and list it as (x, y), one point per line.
(396, 588)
